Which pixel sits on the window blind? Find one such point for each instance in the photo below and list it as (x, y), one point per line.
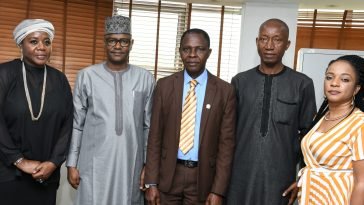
(79, 26)
(330, 29)
(157, 27)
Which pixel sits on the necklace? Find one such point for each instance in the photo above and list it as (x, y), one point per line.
(339, 117)
(28, 96)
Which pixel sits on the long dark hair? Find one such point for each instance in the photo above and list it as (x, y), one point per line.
(357, 63)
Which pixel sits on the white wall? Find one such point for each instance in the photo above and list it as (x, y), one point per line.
(254, 14)
(65, 194)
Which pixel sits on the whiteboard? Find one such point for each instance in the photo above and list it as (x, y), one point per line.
(313, 63)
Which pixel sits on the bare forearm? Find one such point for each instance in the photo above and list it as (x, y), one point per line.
(357, 197)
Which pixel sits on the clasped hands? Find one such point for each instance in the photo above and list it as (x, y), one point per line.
(40, 171)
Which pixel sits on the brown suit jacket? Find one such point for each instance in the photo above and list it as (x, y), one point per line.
(217, 135)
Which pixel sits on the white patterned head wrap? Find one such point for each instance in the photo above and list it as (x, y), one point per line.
(28, 26)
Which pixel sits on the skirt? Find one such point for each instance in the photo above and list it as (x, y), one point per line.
(25, 190)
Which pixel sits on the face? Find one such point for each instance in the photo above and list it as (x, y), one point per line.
(36, 48)
(272, 43)
(340, 84)
(194, 53)
(118, 47)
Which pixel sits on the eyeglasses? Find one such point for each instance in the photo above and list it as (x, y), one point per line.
(124, 42)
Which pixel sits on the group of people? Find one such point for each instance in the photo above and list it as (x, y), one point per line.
(190, 138)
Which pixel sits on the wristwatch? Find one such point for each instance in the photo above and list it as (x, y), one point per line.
(147, 186)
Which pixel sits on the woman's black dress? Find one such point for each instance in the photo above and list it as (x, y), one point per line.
(44, 140)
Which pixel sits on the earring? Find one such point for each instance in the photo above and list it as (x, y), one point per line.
(50, 54)
(21, 54)
(353, 101)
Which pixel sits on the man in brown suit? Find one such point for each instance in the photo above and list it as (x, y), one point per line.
(183, 174)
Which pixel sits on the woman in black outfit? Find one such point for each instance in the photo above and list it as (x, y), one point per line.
(35, 119)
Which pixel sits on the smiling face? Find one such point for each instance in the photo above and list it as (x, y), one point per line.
(116, 53)
(340, 84)
(36, 48)
(272, 42)
(194, 51)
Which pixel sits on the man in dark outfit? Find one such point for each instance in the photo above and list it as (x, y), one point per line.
(275, 107)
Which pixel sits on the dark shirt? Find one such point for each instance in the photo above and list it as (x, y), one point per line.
(44, 140)
(273, 112)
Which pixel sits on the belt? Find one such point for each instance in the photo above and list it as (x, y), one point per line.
(305, 177)
(187, 163)
(302, 174)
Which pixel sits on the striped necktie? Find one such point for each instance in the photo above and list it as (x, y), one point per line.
(188, 120)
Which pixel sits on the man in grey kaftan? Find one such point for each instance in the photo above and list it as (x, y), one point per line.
(275, 106)
(111, 123)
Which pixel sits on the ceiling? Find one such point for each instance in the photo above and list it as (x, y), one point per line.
(303, 4)
(332, 4)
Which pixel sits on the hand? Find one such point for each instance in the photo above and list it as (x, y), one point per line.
(73, 177)
(141, 181)
(293, 190)
(152, 196)
(28, 166)
(213, 199)
(43, 171)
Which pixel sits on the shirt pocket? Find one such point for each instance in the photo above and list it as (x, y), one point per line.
(285, 109)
